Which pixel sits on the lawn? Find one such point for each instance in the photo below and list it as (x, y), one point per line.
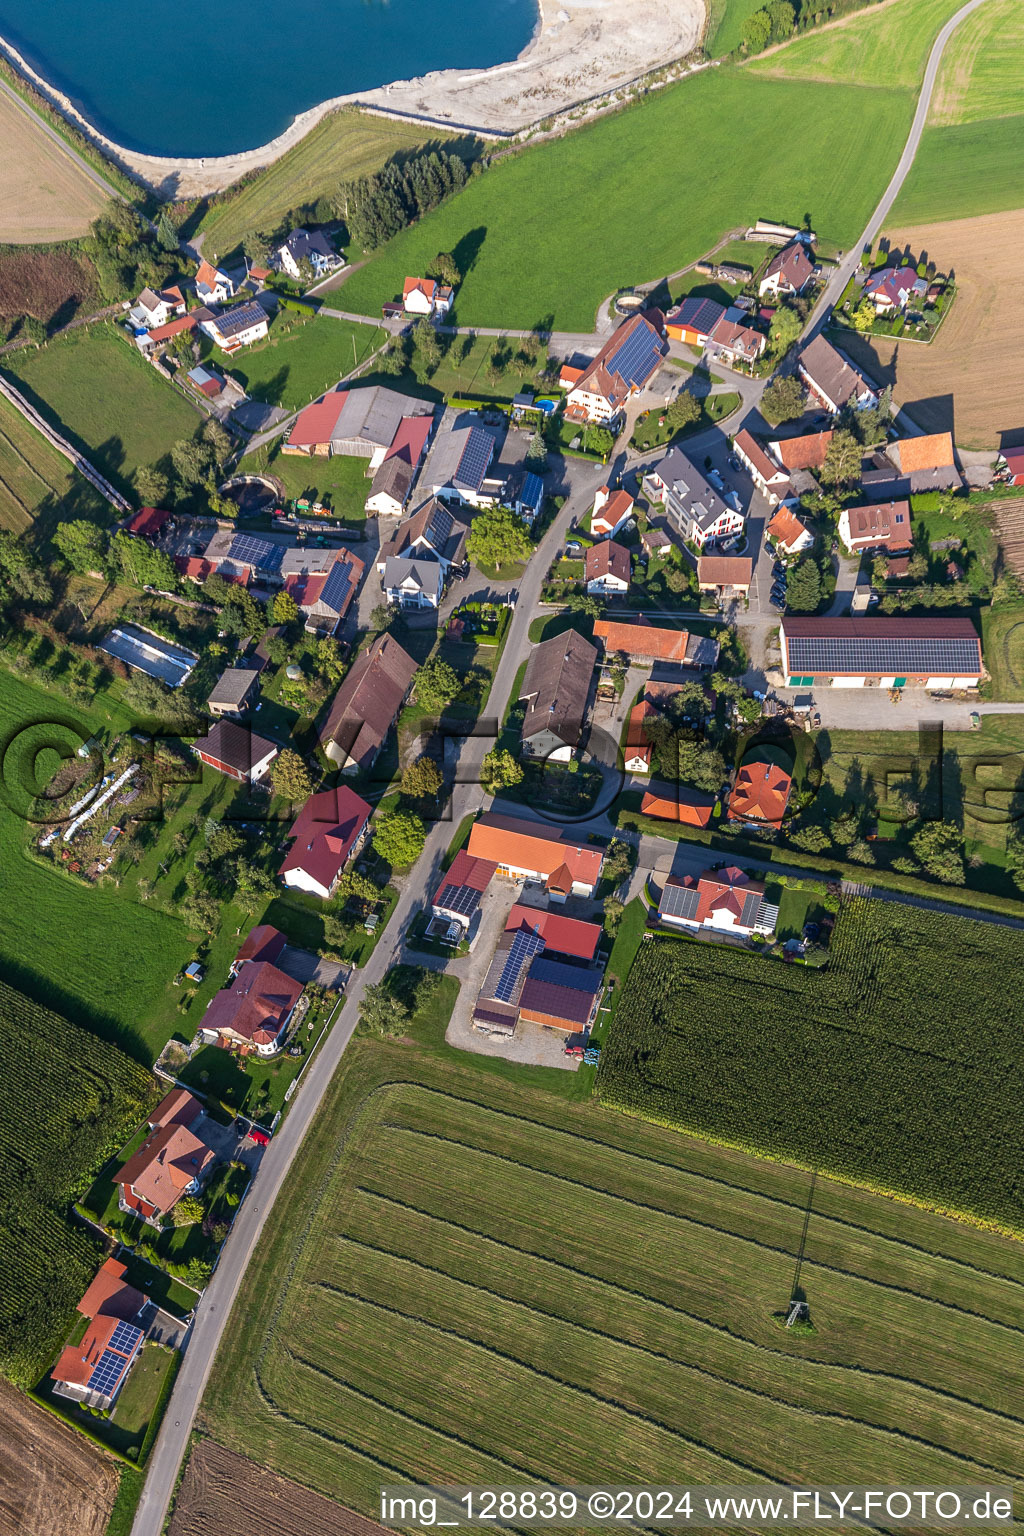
(301, 358)
(725, 25)
(514, 231)
(139, 1399)
(344, 146)
(886, 49)
(1002, 632)
(466, 1254)
(37, 482)
(105, 399)
(339, 483)
(972, 149)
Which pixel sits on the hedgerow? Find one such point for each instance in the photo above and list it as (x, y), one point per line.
(899, 1066)
(67, 1102)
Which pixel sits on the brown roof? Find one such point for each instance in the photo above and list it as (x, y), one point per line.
(165, 1165)
(792, 263)
(806, 452)
(606, 559)
(934, 451)
(179, 1107)
(532, 845)
(256, 1006)
(766, 467)
(429, 522)
(724, 570)
(234, 745)
(597, 379)
(677, 802)
(737, 336)
(394, 478)
(557, 685)
(642, 639)
(831, 373)
(760, 793)
(886, 524)
(110, 1296)
(368, 701)
(786, 527)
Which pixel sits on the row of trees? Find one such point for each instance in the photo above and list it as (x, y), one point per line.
(376, 207)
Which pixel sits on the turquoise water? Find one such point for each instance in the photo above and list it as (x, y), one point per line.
(208, 79)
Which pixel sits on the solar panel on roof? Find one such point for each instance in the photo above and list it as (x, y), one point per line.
(883, 653)
(524, 946)
(475, 458)
(560, 974)
(441, 525)
(680, 901)
(634, 360)
(125, 1337)
(463, 899)
(253, 551)
(532, 491)
(336, 586)
(107, 1373)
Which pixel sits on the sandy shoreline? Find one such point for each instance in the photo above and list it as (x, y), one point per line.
(579, 50)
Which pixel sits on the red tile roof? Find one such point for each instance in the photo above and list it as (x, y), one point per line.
(110, 1296)
(618, 506)
(256, 1006)
(410, 439)
(178, 1107)
(561, 935)
(425, 285)
(642, 639)
(172, 328)
(751, 449)
(325, 832)
(787, 527)
(760, 793)
(165, 1165)
(671, 802)
(147, 521)
(263, 942)
(606, 559)
(207, 274)
(198, 569)
(637, 744)
(724, 570)
(806, 452)
(934, 451)
(529, 845)
(886, 523)
(466, 870)
(314, 426)
(78, 1361)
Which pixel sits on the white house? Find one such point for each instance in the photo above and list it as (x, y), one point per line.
(152, 310)
(606, 569)
(725, 900)
(789, 533)
(612, 511)
(426, 296)
(412, 583)
(212, 285)
(771, 479)
(235, 328)
(699, 513)
(788, 272)
(309, 246)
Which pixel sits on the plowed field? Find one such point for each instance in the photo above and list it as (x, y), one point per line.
(44, 195)
(227, 1495)
(51, 1479)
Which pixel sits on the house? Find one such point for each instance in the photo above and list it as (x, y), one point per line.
(252, 1014)
(679, 803)
(1011, 463)
(238, 327)
(94, 1370)
(624, 367)
(655, 542)
(789, 533)
(324, 596)
(212, 285)
(566, 936)
(149, 341)
(911, 466)
(854, 652)
(412, 583)
(426, 296)
(206, 381)
(693, 320)
(394, 479)
(434, 532)
(172, 1161)
(327, 832)
(363, 422)
(723, 900)
(569, 376)
(461, 888)
(805, 452)
(367, 704)
(893, 288)
(458, 465)
(733, 340)
(524, 493)
(692, 503)
(151, 310)
(246, 556)
(760, 794)
(147, 522)
(606, 568)
(556, 688)
(263, 942)
(727, 575)
(886, 526)
(642, 641)
(110, 1295)
(833, 382)
(524, 981)
(178, 1107)
(306, 248)
(235, 750)
(788, 272)
(771, 479)
(530, 850)
(637, 751)
(611, 512)
(234, 693)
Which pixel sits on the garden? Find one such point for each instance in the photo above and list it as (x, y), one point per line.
(130, 1427)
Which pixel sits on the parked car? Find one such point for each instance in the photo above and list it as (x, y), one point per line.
(734, 463)
(716, 480)
(732, 500)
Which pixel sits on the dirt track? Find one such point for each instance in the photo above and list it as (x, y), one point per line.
(970, 379)
(52, 1481)
(43, 194)
(223, 1494)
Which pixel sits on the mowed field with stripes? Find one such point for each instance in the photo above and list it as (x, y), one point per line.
(473, 1278)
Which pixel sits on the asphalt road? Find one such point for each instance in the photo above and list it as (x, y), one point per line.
(213, 1311)
(62, 144)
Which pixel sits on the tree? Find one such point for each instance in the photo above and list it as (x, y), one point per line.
(613, 910)
(290, 776)
(917, 566)
(498, 537)
(1015, 857)
(500, 771)
(598, 440)
(187, 1211)
(285, 610)
(380, 618)
(422, 779)
(784, 329)
(757, 29)
(618, 861)
(783, 400)
(940, 848)
(782, 16)
(863, 317)
(329, 659)
(253, 886)
(537, 454)
(180, 843)
(444, 268)
(151, 485)
(256, 246)
(814, 839)
(398, 836)
(842, 460)
(359, 888)
(393, 360)
(193, 462)
(83, 545)
(804, 589)
(426, 348)
(200, 911)
(381, 1012)
(166, 233)
(684, 409)
(141, 565)
(437, 684)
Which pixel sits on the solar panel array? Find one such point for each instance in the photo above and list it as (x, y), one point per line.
(558, 973)
(936, 654)
(749, 910)
(475, 458)
(336, 586)
(252, 551)
(441, 525)
(524, 946)
(680, 901)
(636, 357)
(532, 491)
(114, 1360)
(462, 899)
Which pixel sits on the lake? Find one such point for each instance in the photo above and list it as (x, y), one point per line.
(196, 80)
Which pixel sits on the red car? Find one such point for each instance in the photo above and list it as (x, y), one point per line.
(261, 1138)
(574, 1050)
